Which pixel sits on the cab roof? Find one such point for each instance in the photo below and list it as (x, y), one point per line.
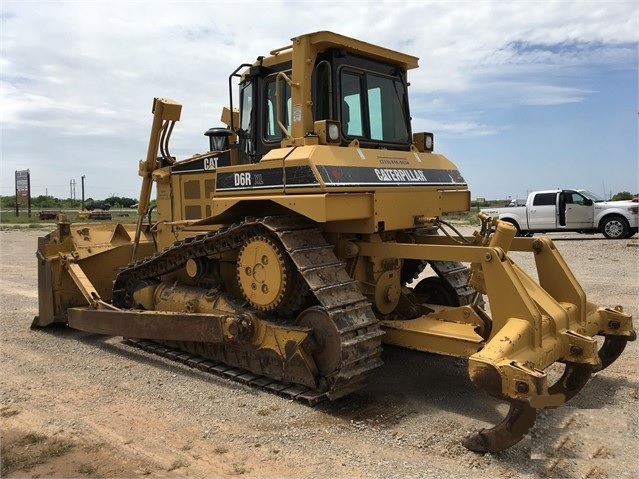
(324, 40)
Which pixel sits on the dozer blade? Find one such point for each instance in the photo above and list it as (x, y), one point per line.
(156, 325)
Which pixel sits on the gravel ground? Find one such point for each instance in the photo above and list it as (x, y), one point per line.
(82, 405)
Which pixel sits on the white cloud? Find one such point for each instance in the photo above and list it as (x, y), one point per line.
(468, 128)
(86, 72)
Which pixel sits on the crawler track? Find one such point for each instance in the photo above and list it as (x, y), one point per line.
(324, 274)
(291, 391)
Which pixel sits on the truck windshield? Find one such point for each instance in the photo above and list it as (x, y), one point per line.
(590, 195)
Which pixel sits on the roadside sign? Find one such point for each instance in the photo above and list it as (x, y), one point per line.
(22, 180)
(23, 190)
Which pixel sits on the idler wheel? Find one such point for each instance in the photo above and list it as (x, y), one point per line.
(327, 348)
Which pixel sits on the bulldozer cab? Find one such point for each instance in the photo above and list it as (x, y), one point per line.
(364, 96)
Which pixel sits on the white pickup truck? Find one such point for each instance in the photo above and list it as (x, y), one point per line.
(571, 210)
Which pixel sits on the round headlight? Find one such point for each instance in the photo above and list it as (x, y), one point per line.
(333, 132)
(428, 142)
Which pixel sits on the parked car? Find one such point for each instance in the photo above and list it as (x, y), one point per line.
(571, 210)
(98, 205)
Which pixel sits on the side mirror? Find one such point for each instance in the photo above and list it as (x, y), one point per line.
(587, 202)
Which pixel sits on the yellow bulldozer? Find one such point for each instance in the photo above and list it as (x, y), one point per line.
(287, 254)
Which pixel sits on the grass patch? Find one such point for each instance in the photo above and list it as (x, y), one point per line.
(266, 411)
(177, 464)
(31, 438)
(57, 448)
(238, 470)
(221, 450)
(10, 220)
(8, 412)
(88, 470)
(30, 450)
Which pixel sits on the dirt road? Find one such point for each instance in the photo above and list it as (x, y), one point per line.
(82, 405)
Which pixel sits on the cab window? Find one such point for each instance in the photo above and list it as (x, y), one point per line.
(323, 92)
(246, 121)
(576, 199)
(373, 107)
(545, 199)
(273, 131)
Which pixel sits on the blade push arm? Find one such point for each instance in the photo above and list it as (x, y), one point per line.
(165, 113)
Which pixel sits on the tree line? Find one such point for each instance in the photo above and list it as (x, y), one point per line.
(624, 195)
(49, 202)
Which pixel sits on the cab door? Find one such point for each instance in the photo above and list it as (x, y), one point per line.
(579, 210)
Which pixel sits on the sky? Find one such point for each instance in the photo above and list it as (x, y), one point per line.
(521, 95)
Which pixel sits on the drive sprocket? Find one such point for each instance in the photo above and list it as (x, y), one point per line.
(264, 275)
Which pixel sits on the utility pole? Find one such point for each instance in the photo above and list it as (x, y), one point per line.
(83, 192)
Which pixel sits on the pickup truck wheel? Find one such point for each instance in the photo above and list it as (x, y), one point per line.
(615, 227)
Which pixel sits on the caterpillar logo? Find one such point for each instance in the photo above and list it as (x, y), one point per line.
(210, 163)
(400, 175)
(242, 179)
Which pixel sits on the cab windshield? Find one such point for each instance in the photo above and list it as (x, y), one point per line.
(373, 107)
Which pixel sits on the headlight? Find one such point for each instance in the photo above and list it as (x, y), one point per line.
(428, 143)
(634, 210)
(328, 131)
(333, 131)
(424, 141)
